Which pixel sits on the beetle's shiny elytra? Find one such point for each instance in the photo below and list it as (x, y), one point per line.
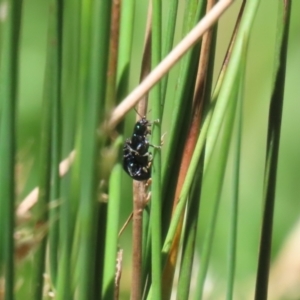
(137, 167)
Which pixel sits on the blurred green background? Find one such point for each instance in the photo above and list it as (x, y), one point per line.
(257, 95)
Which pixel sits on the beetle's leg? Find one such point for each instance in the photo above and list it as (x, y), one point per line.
(146, 154)
(148, 183)
(147, 199)
(132, 150)
(146, 169)
(150, 159)
(155, 147)
(162, 139)
(161, 142)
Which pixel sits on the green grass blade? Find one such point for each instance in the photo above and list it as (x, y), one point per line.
(113, 56)
(125, 44)
(190, 233)
(155, 98)
(56, 129)
(89, 178)
(50, 107)
(85, 25)
(185, 83)
(146, 248)
(235, 196)
(167, 45)
(63, 283)
(112, 232)
(8, 102)
(236, 182)
(70, 71)
(70, 89)
(275, 115)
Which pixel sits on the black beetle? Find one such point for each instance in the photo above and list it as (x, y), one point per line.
(136, 157)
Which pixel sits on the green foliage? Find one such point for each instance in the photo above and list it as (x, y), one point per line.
(209, 199)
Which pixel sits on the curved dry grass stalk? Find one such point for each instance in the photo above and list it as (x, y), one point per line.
(31, 199)
(168, 62)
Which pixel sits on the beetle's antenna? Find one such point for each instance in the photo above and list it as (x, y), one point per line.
(138, 113)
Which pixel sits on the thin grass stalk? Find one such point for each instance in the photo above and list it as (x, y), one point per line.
(137, 219)
(155, 217)
(8, 103)
(275, 115)
(146, 247)
(70, 80)
(113, 55)
(51, 99)
(146, 266)
(190, 14)
(233, 222)
(99, 262)
(63, 283)
(235, 197)
(56, 130)
(206, 62)
(111, 242)
(54, 193)
(139, 243)
(125, 43)
(189, 239)
(85, 44)
(108, 156)
(89, 178)
(167, 46)
(70, 72)
(142, 106)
